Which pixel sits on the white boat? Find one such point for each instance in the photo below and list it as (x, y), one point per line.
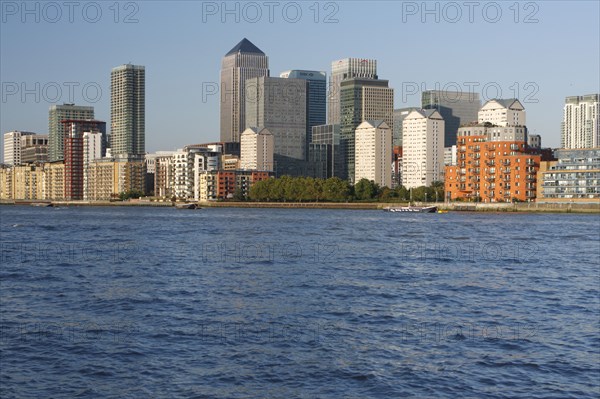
(419, 209)
(186, 206)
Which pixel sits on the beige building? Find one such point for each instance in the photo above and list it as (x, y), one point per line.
(373, 153)
(422, 148)
(256, 149)
(110, 177)
(498, 112)
(13, 143)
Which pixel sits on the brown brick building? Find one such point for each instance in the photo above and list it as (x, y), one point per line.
(494, 164)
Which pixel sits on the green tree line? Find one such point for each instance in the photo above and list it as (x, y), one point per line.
(308, 189)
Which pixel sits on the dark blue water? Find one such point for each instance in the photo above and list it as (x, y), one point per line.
(241, 303)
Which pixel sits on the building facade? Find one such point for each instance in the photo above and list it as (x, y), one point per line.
(422, 148)
(56, 136)
(361, 100)
(280, 106)
(316, 98)
(491, 168)
(399, 115)
(574, 176)
(348, 68)
(13, 144)
(581, 122)
(128, 111)
(456, 107)
(256, 148)
(74, 154)
(224, 184)
(373, 153)
(508, 112)
(242, 62)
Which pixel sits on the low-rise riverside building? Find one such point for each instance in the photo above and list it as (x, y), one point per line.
(575, 176)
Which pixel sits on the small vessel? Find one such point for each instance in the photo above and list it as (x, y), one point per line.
(41, 204)
(418, 209)
(186, 206)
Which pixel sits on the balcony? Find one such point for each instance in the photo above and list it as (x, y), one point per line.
(530, 178)
(530, 162)
(490, 163)
(530, 169)
(506, 162)
(530, 186)
(491, 155)
(490, 178)
(476, 148)
(530, 194)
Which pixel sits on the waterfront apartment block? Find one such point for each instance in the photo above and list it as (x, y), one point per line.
(348, 68)
(422, 148)
(242, 62)
(456, 107)
(491, 168)
(580, 127)
(507, 112)
(128, 110)
(256, 149)
(575, 176)
(73, 152)
(224, 184)
(44, 181)
(56, 136)
(109, 177)
(373, 151)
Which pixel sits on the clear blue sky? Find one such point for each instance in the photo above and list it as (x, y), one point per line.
(555, 54)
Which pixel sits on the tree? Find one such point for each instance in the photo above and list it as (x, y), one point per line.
(365, 190)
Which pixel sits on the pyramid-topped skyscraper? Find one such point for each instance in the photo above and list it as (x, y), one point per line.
(242, 62)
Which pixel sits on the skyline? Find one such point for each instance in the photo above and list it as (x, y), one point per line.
(179, 59)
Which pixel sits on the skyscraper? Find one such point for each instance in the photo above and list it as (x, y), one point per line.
(57, 114)
(361, 100)
(456, 107)
(581, 122)
(242, 62)
(128, 111)
(316, 98)
(280, 106)
(341, 70)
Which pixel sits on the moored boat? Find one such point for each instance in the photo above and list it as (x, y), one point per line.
(41, 204)
(186, 206)
(418, 209)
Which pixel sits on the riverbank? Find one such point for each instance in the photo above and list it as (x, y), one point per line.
(456, 206)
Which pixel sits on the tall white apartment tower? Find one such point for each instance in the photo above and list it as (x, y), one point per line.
(341, 70)
(580, 127)
(373, 153)
(241, 63)
(422, 148)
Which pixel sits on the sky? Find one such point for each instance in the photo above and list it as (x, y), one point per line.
(62, 52)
